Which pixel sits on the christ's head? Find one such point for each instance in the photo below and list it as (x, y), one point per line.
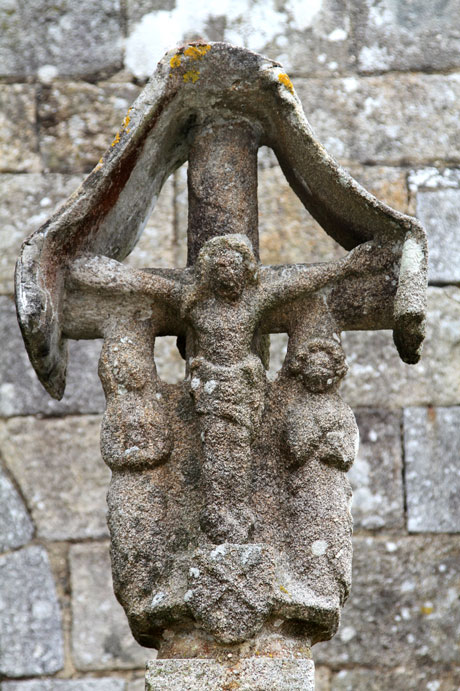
(227, 265)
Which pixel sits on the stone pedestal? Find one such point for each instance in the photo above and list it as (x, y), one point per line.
(248, 674)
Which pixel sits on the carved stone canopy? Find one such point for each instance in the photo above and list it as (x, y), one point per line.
(203, 90)
(228, 506)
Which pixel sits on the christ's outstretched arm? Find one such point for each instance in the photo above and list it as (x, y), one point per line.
(108, 276)
(290, 282)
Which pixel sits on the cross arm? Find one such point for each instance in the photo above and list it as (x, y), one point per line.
(359, 292)
(286, 283)
(99, 289)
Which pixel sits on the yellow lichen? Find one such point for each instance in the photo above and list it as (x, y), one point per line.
(124, 127)
(284, 79)
(127, 120)
(191, 76)
(175, 61)
(99, 164)
(197, 52)
(427, 609)
(284, 590)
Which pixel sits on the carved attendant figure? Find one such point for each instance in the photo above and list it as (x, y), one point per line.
(133, 450)
(320, 424)
(128, 374)
(320, 439)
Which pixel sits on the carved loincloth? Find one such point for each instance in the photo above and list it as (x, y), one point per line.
(232, 392)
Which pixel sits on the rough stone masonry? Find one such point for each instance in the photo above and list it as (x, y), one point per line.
(228, 505)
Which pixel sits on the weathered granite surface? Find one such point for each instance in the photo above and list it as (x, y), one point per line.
(65, 38)
(405, 608)
(362, 120)
(386, 119)
(439, 211)
(158, 244)
(65, 490)
(85, 684)
(287, 230)
(144, 525)
(78, 121)
(31, 641)
(376, 475)
(249, 674)
(405, 678)
(16, 528)
(18, 132)
(432, 472)
(101, 638)
(376, 376)
(306, 37)
(21, 393)
(406, 36)
(25, 202)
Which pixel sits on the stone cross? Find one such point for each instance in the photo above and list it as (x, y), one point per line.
(229, 505)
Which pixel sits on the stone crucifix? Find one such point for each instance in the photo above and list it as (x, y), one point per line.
(228, 506)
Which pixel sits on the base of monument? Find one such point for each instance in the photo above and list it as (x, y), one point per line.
(247, 674)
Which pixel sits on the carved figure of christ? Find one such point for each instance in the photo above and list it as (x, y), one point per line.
(223, 308)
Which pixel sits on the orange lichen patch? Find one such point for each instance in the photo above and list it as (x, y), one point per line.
(175, 61)
(197, 52)
(99, 164)
(191, 76)
(124, 127)
(284, 79)
(427, 609)
(127, 120)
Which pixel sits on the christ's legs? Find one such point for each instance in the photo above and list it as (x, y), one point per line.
(229, 403)
(226, 480)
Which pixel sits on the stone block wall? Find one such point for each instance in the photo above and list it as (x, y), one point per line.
(380, 83)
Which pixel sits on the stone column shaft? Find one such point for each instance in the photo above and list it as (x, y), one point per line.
(222, 184)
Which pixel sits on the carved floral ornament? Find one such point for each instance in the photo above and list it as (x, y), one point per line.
(228, 505)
